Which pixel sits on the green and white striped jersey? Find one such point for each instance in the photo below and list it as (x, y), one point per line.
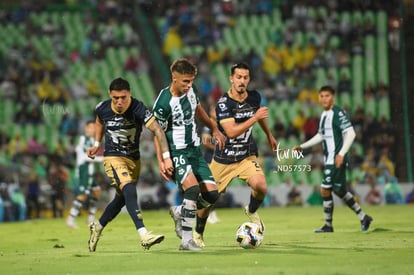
(176, 116)
(332, 126)
(84, 143)
(83, 162)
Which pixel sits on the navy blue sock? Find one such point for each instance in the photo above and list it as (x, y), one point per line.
(200, 224)
(254, 204)
(131, 201)
(112, 210)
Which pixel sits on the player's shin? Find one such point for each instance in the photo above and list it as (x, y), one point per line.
(189, 210)
(328, 207)
(130, 194)
(92, 209)
(350, 201)
(112, 210)
(207, 200)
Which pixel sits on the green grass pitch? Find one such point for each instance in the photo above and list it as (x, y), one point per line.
(289, 246)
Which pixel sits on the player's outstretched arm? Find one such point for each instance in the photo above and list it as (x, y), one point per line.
(201, 114)
(311, 142)
(265, 127)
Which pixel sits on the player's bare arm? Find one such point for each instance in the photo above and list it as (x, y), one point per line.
(270, 138)
(166, 174)
(99, 131)
(234, 129)
(163, 150)
(201, 114)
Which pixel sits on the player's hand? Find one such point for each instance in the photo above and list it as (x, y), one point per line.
(261, 113)
(219, 138)
(272, 142)
(166, 169)
(339, 160)
(92, 152)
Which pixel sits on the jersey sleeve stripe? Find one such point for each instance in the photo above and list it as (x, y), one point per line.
(150, 121)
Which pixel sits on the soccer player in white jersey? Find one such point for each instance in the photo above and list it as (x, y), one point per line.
(86, 186)
(337, 135)
(176, 109)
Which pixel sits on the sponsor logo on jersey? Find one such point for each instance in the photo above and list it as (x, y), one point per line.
(222, 106)
(148, 114)
(223, 115)
(222, 99)
(192, 99)
(163, 124)
(114, 123)
(235, 153)
(181, 171)
(244, 114)
(183, 122)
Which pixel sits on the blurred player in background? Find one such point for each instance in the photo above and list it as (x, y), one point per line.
(176, 109)
(86, 187)
(121, 119)
(336, 134)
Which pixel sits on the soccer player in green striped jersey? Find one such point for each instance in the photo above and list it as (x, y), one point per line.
(176, 109)
(86, 186)
(337, 135)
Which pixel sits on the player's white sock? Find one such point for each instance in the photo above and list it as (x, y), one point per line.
(189, 217)
(142, 231)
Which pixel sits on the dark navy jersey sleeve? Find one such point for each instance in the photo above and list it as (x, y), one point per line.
(238, 148)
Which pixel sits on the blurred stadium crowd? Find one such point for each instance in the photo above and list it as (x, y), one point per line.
(57, 58)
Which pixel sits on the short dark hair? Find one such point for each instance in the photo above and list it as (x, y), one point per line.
(241, 65)
(90, 122)
(119, 84)
(327, 89)
(183, 66)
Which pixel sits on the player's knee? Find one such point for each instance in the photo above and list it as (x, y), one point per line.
(340, 193)
(325, 193)
(192, 193)
(261, 188)
(258, 184)
(206, 199)
(211, 197)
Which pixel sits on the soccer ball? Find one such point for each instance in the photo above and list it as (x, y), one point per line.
(249, 236)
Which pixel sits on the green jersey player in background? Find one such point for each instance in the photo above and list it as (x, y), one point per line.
(176, 109)
(86, 188)
(337, 135)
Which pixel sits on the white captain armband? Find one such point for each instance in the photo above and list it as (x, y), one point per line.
(96, 144)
